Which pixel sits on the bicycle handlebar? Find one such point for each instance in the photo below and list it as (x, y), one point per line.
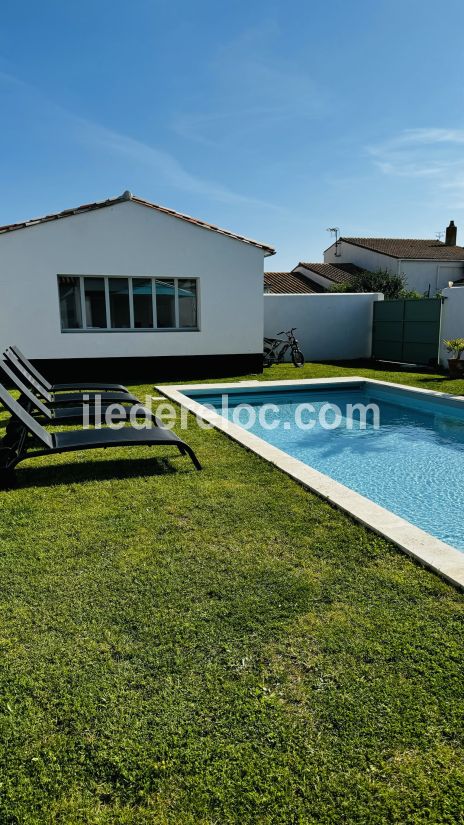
(287, 332)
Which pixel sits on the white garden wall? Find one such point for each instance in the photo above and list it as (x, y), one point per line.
(330, 326)
(452, 318)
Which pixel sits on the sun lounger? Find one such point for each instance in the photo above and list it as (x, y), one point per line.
(60, 387)
(24, 432)
(60, 399)
(68, 415)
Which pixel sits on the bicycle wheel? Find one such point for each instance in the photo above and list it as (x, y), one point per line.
(297, 357)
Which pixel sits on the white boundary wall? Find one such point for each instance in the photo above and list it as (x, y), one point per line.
(330, 326)
(452, 318)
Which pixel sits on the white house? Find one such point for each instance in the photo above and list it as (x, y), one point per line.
(428, 265)
(128, 279)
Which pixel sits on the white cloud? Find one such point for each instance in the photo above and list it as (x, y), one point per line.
(421, 153)
(160, 162)
(416, 137)
(253, 89)
(433, 155)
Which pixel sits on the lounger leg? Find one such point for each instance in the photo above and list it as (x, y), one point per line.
(185, 449)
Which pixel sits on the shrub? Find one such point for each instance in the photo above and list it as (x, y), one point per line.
(392, 286)
(455, 346)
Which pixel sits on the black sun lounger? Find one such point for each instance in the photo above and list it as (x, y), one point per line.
(60, 387)
(63, 398)
(24, 432)
(68, 415)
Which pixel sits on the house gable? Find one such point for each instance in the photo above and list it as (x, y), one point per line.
(125, 197)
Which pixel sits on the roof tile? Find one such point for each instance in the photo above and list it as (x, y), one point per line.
(414, 248)
(290, 283)
(127, 196)
(339, 274)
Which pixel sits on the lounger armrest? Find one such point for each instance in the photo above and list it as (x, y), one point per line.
(103, 387)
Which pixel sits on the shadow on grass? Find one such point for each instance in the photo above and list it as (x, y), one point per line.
(434, 380)
(385, 366)
(114, 469)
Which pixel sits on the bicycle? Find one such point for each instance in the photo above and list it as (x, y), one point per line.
(275, 349)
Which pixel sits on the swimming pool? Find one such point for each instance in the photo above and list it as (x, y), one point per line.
(409, 460)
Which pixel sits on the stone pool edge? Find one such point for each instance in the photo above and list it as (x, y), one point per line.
(433, 553)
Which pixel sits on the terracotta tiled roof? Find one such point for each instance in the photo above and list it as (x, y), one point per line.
(339, 274)
(415, 248)
(289, 283)
(127, 196)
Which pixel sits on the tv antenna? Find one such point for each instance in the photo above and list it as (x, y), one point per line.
(335, 232)
(439, 235)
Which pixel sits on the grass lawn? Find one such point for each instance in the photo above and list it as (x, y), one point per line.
(219, 647)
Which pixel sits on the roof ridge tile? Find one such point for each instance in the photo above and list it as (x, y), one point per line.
(128, 196)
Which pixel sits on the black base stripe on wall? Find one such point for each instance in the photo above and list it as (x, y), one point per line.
(147, 370)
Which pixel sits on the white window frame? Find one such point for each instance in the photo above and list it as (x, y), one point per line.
(132, 328)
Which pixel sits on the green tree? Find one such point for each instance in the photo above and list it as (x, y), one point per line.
(392, 286)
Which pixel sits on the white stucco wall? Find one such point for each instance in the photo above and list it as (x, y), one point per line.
(420, 275)
(364, 258)
(452, 318)
(330, 326)
(314, 276)
(129, 239)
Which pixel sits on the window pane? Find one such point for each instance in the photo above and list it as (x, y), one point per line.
(70, 302)
(187, 302)
(143, 303)
(165, 304)
(119, 303)
(95, 307)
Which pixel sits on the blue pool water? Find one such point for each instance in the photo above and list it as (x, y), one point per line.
(413, 464)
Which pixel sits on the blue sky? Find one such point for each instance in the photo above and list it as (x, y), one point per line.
(274, 119)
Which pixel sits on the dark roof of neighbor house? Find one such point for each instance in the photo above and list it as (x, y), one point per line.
(415, 248)
(282, 283)
(339, 274)
(128, 196)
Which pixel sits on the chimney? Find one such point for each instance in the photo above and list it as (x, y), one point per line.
(451, 233)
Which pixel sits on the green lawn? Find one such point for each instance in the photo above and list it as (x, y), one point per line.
(219, 647)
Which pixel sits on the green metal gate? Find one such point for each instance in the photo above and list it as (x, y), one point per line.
(407, 331)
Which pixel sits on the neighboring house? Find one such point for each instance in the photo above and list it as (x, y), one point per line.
(428, 265)
(328, 276)
(289, 283)
(127, 279)
(309, 278)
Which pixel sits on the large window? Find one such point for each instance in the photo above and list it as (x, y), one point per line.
(111, 303)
